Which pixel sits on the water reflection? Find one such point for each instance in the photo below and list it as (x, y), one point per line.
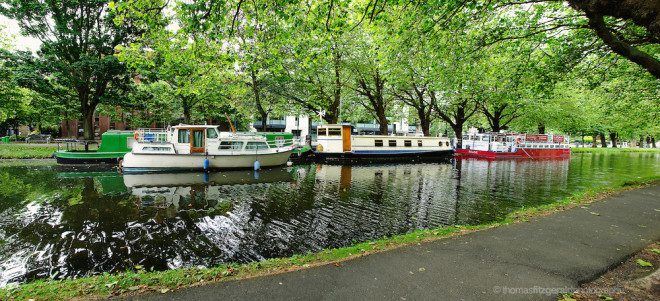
(68, 223)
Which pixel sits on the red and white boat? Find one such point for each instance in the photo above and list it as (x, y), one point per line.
(511, 145)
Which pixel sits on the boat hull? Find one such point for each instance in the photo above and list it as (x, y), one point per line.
(530, 153)
(384, 156)
(167, 162)
(71, 157)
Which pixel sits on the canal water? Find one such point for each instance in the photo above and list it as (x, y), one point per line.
(60, 222)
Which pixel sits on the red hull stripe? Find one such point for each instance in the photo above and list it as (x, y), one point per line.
(519, 153)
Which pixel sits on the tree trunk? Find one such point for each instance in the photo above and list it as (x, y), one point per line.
(541, 128)
(594, 138)
(264, 121)
(641, 141)
(257, 99)
(613, 139)
(382, 123)
(336, 101)
(458, 132)
(88, 123)
(653, 142)
(424, 121)
(187, 112)
(603, 142)
(496, 126)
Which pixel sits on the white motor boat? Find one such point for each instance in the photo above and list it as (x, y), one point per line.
(204, 147)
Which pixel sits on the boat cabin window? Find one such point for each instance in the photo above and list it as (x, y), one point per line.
(199, 139)
(419, 142)
(211, 133)
(322, 132)
(334, 132)
(392, 143)
(184, 136)
(233, 145)
(256, 145)
(156, 148)
(446, 143)
(407, 143)
(378, 142)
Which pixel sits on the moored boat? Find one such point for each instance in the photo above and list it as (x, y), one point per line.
(114, 145)
(512, 145)
(204, 147)
(338, 144)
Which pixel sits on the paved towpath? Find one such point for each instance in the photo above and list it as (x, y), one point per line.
(556, 251)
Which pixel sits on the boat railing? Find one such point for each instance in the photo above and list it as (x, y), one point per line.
(151, 135)
(72, 144)
(278, 143)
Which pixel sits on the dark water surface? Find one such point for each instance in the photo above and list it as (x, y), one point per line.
(64, 222)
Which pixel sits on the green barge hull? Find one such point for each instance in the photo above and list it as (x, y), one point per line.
(114, 145)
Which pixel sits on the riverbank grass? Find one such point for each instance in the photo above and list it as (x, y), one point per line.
(140, 281)
(609, 150)
(27, 151)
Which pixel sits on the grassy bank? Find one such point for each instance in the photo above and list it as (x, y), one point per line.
(26, 151)
(140, 281)
(600, 150)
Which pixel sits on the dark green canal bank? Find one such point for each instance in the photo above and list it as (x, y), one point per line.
(61, 222)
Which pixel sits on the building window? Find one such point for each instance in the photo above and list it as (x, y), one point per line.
(392, 143)
(378, 142)
(419, 143)
(334, 132)
(407, 143)
(184, 136)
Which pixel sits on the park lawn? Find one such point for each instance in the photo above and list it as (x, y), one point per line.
(609, 150)
(26, 151)
(139, 281)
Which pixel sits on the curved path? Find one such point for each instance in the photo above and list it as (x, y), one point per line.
(524, 261)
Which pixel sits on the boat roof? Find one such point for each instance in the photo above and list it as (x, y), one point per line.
(200, 126)
(332, 125)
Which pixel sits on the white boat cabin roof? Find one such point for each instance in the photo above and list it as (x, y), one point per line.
(194, 126)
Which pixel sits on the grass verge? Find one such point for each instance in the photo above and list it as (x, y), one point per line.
(140, 281)
(600, 150)
(26, 151)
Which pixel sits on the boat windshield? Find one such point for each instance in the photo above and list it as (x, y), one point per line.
(211, 133)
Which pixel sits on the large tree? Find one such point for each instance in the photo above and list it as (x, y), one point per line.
(78, 44)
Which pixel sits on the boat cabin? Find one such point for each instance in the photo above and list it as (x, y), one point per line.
(338, 138)
(508, 142)
(207, 139)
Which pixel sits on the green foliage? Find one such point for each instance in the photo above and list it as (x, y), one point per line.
(643, 263)
(441, 64)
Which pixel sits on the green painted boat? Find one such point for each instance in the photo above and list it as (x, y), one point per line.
(114, 145)
(285, 139)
